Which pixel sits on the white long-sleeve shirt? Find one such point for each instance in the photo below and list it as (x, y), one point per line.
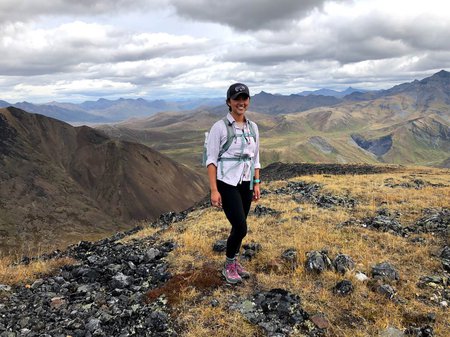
(233, 172)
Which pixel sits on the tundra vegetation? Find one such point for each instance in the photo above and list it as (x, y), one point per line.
(372, 218)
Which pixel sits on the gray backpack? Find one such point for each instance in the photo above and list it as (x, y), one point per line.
(231, 135)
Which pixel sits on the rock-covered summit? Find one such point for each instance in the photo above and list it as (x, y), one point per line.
(328, 257)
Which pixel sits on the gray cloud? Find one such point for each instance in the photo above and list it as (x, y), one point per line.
(246, 15)
(23, 10)
(78, 46)
(64, 47)
(373, 36)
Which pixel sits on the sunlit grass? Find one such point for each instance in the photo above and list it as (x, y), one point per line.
(303, 226)
(12, 273)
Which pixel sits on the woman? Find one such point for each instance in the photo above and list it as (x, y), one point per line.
(232, 159)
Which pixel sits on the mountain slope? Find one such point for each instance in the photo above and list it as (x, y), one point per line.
(278, 104)
(435, 88)
(65, 183)
(407, 124)
(67, 114)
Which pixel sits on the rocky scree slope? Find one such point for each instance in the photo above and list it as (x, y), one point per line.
(107, 292)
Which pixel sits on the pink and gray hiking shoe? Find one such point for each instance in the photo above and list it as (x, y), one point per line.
(230, 273)
(241, 270)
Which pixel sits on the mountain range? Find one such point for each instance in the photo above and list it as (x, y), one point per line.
(330, 92)
(106, 111)
(61, 184)
(407, 124)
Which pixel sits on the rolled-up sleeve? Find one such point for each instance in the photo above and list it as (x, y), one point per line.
(213, 145)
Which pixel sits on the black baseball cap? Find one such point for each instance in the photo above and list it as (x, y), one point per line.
(237, 89)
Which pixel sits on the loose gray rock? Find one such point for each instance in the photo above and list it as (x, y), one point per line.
(220, 246)
(426, 331)
(36, 284)
(330, 201)
(300, 190)
(434, 221)
(391, 332)
(103, 295)
(5, 288)
(343, 288)
(152, 254)
(445, 254)
(361, 276)
(308, 192)
(278, 313)
(384, 221)
(385, 271)
(445, 258)
(252, 246)
(265, 211)
(387, 290)
(120, 281)
(290, 256)
(317, 261)
(342, 263)
(250, 250)
(93, 324)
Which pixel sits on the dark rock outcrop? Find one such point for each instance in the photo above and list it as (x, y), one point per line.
(377, 146)
(283, 171)
(102, 295)
(278, 312)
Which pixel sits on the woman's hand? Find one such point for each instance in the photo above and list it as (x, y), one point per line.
(256, 192)
(216, 199)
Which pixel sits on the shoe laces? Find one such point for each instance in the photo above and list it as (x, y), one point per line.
(232, 268)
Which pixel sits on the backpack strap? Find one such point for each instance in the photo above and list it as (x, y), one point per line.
(252, 130)
(231, 134)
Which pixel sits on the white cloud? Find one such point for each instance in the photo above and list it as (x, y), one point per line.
(76, 46)
(188, 47)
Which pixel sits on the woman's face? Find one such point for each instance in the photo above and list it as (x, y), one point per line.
(240, 104)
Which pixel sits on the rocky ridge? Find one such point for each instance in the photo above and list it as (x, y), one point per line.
(103, 294)
(106, 292)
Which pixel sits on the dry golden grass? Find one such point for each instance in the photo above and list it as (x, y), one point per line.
(146, 232)
(306, 227)
(11, 274)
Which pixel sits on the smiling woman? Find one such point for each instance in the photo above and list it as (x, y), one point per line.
(232, 159)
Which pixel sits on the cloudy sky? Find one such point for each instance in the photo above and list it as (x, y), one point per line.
(67, 50)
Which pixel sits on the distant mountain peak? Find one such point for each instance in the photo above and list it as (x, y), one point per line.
(442, 73)
(331, 92)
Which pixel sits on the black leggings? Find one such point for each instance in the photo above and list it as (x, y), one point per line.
(236, 202)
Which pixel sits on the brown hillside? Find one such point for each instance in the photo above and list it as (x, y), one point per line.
(62, 184)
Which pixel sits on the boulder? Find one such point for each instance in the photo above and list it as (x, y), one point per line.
(385, 271)
(343, 263)
(317, 261)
